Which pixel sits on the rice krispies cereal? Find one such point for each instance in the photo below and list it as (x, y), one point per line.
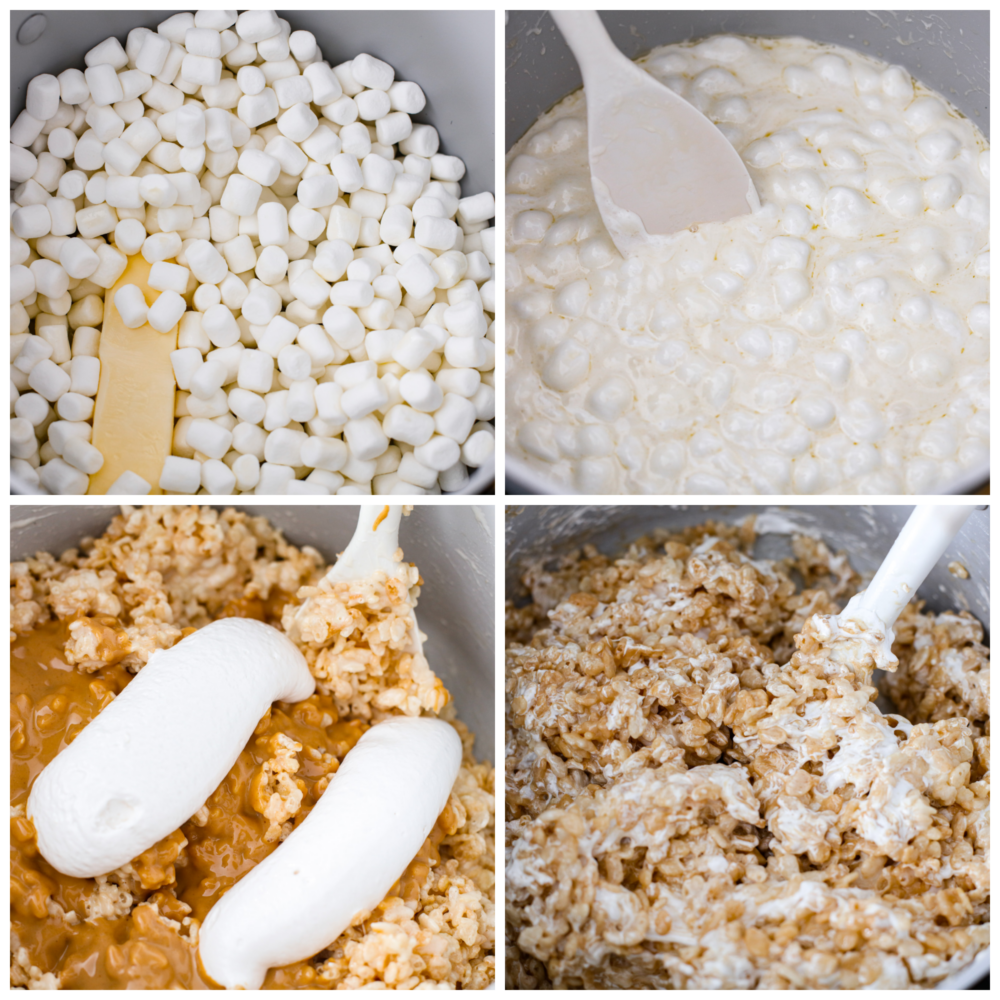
(702, 794)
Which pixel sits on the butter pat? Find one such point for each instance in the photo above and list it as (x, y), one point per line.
(134, 414)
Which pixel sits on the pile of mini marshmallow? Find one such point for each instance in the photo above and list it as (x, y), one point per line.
(334, 292)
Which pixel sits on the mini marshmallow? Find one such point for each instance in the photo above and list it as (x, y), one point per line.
(372, 72)
(206, 380)
(26, 129)
(274, 479)
(205, 262)
(393, 127)
(34, 409)
(61, 479)
(454, 478)
(372, 105)
(436, 233)
(272, 265)
(41, 99)
(220, 325)
(292, 90)
(257, 25)
(259, 166)
(246, 469)
(284, 447)
(256, 371)
(412, 471)
(421, 392)
(83, 456)
(85, 374)
(73, 87)
(49, 380)
(251, 80)
(439, 453)
(365, 438)
(105, 87)
(185, 362)
(229, 358)
(347, 170)
(33, 350)
(407, 96)
(328, 454)
(248, 406)
(161, 246)
(476, 208)
(280, 333)
(365, 398)
(129, 484)
(31, 221)
(208, 437)
(300, 487)
(131, 305)
(180, 475)
(455, 417)
(294, 362)
(318, 191)
(272, 221)
(60, 431)
(353, 294)
(217, 478)
(326, 87)
(422, 141)
(248, 439)
(298, 122)
(403, 423)
(77, 259)
(465, 319)
(168, 277)
(241, 195)
(378, 173)
(166, 311)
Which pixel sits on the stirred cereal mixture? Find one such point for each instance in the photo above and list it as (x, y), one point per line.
(702, 793)
(83, 624)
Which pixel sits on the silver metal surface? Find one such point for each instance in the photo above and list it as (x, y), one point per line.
(864, 532)
(450, 53)
(452, 545)
(948, 51)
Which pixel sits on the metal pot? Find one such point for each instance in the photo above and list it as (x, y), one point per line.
(948, 51)
(865, 533)
(453, 546)
(449, 53)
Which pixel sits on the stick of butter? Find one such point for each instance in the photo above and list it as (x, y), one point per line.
(134, 414)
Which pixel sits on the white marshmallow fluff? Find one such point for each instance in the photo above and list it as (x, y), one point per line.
(836, 341)
(310, 241)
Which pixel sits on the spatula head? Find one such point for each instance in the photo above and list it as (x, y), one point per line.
(659, 165)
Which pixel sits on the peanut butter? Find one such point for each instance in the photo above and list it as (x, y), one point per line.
(89, 932)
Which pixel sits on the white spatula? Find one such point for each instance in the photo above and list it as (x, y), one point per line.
(658, 165)
(926, 534)
(373, 548)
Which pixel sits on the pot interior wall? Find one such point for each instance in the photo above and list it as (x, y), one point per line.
(948, 51)
(864, 532)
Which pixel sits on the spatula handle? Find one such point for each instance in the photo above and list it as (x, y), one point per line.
(588, 40)
(920, 544)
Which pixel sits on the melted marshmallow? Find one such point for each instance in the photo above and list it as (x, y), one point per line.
(154, 755)
(833, 342)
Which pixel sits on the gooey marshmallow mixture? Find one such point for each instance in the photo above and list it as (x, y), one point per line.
(333, 288)
(836, 341)
(342, 860)
(153, 756)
